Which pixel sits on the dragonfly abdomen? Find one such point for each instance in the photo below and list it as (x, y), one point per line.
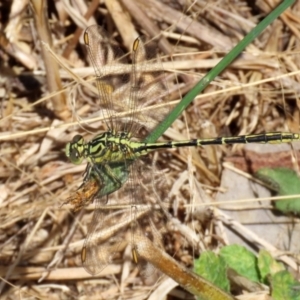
(263, 138)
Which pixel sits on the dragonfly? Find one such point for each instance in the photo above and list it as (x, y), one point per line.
(118, 158)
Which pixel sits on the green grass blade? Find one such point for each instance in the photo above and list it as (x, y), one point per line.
(220, 67)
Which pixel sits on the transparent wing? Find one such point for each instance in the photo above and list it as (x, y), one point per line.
(125, 90)
(127, 87)
(148, 217)
(122, 217)
(110, 72)
(147, 87)
(104, 232)
(106, 236)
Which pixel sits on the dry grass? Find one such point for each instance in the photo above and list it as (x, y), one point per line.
(44, 97)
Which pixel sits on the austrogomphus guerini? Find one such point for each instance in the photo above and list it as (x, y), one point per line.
(116, 157)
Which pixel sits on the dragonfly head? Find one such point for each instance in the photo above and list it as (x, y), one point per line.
(75, 149)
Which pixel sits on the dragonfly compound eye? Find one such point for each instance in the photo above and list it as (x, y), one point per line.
(75, 149)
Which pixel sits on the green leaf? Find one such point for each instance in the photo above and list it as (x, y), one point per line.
(286, 182)
(213, 268)
(242, 261)
(267, 265)
(284, 286)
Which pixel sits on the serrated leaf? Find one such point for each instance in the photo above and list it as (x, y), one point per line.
(241, 260)
(287, 183)
(213, 268)
(284, 286)
(267, 265)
